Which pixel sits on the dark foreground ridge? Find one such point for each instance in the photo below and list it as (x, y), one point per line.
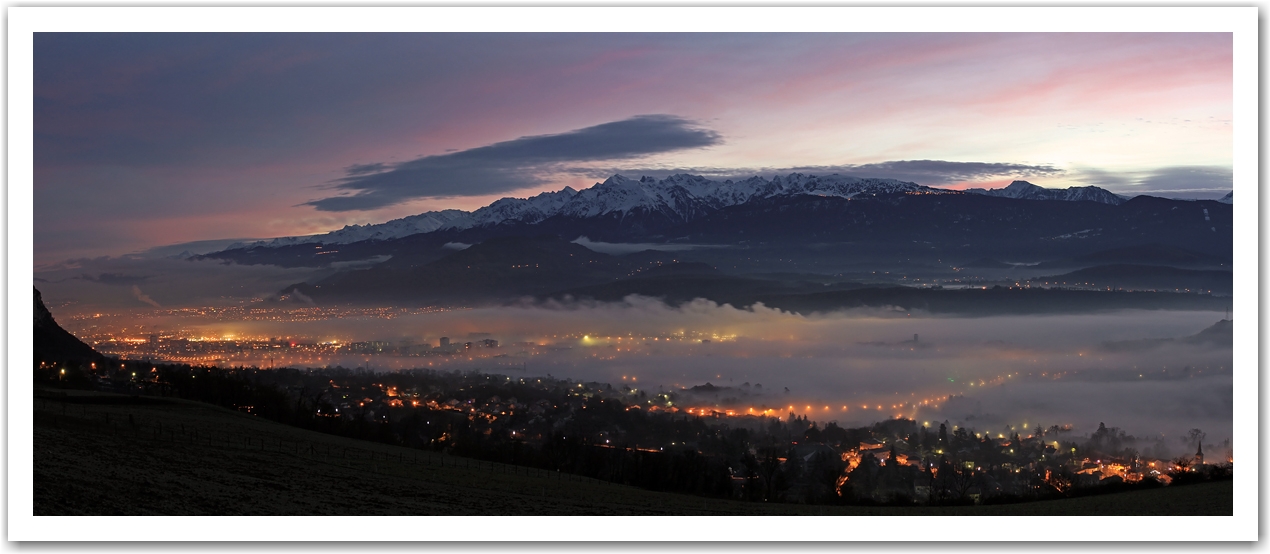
(55, 344)
(150, 456)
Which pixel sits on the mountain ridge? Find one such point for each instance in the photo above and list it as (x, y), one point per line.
(52, 342)
(678, 198)
(1024, 190)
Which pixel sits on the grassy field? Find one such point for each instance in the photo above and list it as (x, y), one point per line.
(104, 454)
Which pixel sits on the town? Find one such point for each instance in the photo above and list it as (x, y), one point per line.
(658, 440)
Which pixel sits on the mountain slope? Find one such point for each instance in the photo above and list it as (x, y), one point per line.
(1217, 335)
(423, 223)
(55, 344)
(1221, 333)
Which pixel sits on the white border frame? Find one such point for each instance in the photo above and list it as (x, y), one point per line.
(24, 21)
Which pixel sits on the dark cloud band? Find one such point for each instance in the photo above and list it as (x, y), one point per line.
(1188, 177)
(513, 164)
(1175, 181)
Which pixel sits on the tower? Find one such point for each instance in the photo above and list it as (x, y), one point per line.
(1199, 453)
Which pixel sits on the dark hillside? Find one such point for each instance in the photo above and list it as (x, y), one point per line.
(972, 225)
(174, 457)
(53, 343)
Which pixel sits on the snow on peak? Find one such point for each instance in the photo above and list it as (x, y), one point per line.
(679, 197)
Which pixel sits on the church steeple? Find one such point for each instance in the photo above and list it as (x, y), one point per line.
(1199, 453)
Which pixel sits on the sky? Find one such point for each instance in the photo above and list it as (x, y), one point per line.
(148, 140)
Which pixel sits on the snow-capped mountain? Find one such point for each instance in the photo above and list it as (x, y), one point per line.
(1228, 199)
(1027, 191)
(678, 198)
(755, 222)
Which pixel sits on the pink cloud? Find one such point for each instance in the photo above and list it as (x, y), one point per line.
(1143, 75)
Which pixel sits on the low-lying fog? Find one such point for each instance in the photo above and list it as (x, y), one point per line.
(995, 371)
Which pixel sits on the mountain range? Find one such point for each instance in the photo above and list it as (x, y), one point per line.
(678, 198)
(860, 229)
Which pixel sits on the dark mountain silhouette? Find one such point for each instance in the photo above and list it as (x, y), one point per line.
(1220, 335)
(55, 344)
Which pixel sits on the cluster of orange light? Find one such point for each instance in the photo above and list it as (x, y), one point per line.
(808, 409)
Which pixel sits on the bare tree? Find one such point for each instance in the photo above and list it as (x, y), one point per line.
(1194, 436)
(1182, 463)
